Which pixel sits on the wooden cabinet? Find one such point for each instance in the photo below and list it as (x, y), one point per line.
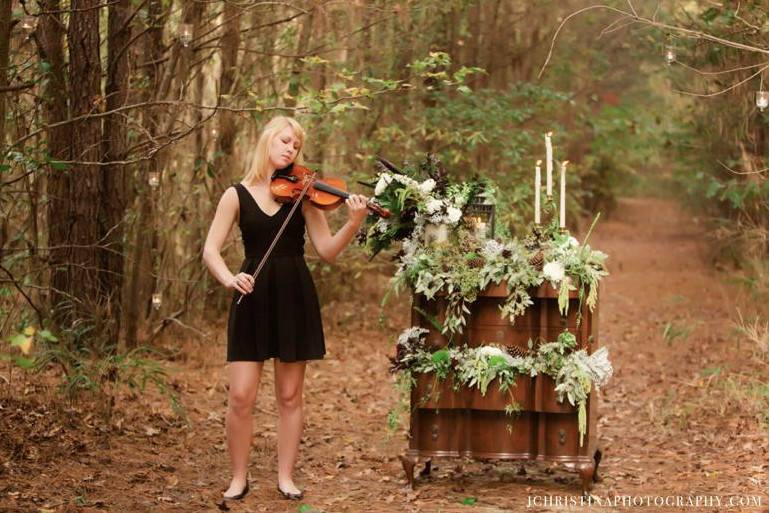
(452, 423)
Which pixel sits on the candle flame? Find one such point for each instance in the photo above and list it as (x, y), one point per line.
(565, 163)
(548, 134)
(538, 162)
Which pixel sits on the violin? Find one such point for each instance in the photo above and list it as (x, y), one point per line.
(287, 184)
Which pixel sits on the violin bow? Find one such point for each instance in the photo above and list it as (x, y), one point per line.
(280, 231)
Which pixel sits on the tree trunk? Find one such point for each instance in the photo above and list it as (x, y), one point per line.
(115, 176)
(140, 276)
(74, 217)
(5, 38)
(227, 82)
(51, 49)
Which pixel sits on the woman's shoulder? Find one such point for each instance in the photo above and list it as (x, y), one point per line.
(231, 196)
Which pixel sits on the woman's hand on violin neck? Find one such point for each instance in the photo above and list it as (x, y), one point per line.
(357, 210)
(242, 282)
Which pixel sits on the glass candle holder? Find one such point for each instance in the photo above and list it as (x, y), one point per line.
(761, 99)
(670, 54)
(27, 23)
(480, 217)
(157, 300)
(435, 233)
(185, 34)
(154, 179)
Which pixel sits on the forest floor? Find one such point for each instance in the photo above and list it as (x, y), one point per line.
(685, 413)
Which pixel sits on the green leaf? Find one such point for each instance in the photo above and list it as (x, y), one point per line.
(47, 335)
(58, 165)
(469, 501)
(23, 362)
(18, 339)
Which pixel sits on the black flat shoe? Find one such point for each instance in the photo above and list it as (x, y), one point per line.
(240, 495)
(290, 496)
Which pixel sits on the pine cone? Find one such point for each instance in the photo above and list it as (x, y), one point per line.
(532, 241)
(516, 351)
(537, 260)
(506, 253)
(476, 263)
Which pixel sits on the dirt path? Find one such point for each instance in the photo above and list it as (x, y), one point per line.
(683, 414)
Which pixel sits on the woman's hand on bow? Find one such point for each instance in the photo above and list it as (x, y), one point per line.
(242, 282)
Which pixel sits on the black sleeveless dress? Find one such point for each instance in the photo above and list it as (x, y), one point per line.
(281, 318)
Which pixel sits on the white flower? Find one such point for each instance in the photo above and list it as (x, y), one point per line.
(405, 180)
(553, 271)
(413, 333)
(453, 215)
(382, 183)
(600, 367)
(433, 205)
(381, 225)
(572, 241)
(492, 248)
(427, 185)
(488, 351)
(436, 218)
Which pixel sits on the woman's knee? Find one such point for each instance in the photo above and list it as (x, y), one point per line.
(241, 400)
(289, 398)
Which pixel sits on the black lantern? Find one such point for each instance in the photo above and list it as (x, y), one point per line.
(480, 217)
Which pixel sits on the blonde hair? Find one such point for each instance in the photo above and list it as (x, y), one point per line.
(259, 160)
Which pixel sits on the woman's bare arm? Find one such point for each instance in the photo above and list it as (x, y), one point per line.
(224, 218)
(328, 246)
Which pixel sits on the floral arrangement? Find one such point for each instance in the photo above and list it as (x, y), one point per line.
(574, 372)
(442, 255)
(418, 196)
(461, 266)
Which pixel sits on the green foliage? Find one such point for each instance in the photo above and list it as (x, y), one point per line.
(720, 142)
(575, 372)
(97, 370)
(405, 382)
(673, 331)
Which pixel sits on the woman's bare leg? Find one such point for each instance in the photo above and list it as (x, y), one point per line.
(244, 383)
(289, 381)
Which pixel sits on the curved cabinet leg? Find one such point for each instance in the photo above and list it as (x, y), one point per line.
(408, 464)
(586, 476)
(425, 472)
(597, 459)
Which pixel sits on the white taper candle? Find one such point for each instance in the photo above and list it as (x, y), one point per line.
(548, 165)
(537, 192)
(563, 196)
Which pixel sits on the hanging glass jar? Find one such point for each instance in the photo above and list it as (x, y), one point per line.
(28, 24)
(153, 179)
(670, 54)
(761, 99)
(185, 34)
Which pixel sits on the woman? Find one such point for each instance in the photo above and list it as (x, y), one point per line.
(279, 316)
